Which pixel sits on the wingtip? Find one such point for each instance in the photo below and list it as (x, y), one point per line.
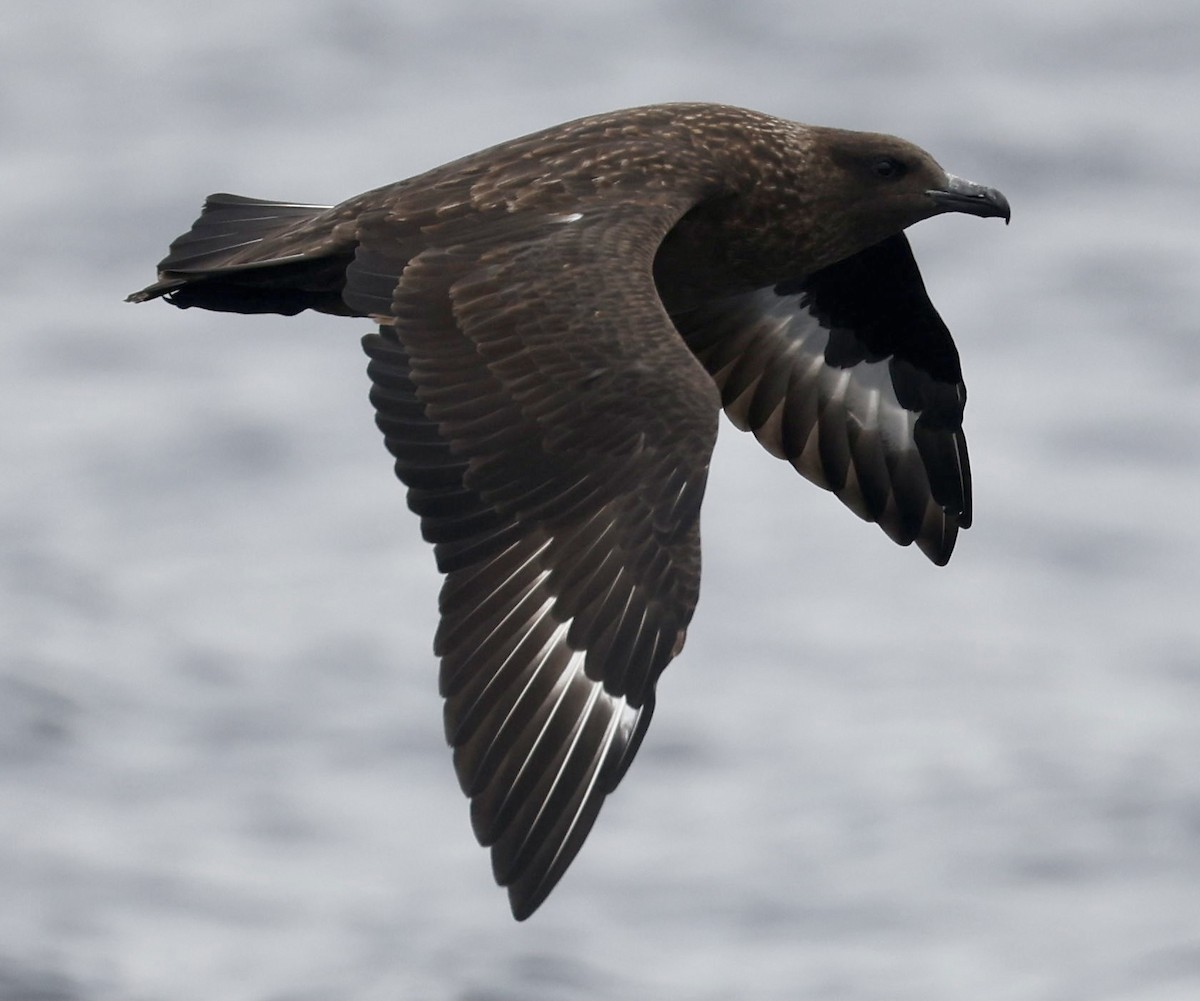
(522, 907)
(939, 545)
(939, 559)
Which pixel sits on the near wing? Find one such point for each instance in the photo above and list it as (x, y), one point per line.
(554, 434)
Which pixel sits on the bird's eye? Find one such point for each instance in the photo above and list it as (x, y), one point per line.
(889, 168)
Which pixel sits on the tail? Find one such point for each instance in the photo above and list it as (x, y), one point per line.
(245, 255)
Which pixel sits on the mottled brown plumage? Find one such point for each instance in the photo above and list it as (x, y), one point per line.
(561, 317)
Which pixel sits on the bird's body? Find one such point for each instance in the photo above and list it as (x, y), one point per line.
(561, 318)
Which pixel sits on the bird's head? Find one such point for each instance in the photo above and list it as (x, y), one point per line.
(875, 185)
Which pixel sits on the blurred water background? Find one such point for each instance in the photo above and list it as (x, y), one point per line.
(222, 772)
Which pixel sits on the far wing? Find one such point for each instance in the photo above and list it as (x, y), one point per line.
(850, 375)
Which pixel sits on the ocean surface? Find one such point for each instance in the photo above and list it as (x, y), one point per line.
(222, 771)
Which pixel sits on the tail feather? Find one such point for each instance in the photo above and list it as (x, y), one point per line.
(231, 223)
(248, 255)
(154, 291)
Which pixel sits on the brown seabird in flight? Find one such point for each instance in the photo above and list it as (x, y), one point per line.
(561, 318)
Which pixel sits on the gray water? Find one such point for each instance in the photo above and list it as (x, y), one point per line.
(222, 774)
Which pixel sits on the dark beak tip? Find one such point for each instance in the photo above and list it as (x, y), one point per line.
(974, 199)
(1003, 211)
